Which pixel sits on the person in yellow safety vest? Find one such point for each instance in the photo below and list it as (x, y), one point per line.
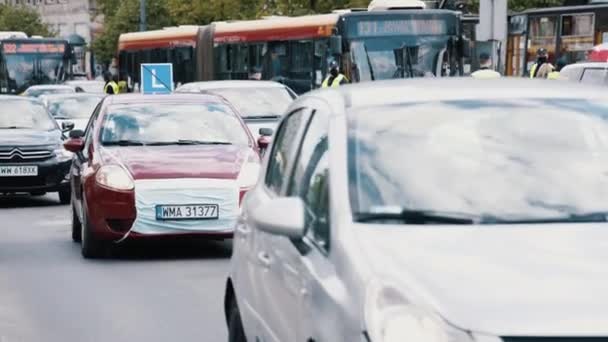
(335, 78)
(542, 68)
(111, 86)
(555, 75)
(485, 71)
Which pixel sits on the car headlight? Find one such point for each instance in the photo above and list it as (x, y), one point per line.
(62, 154)
(114, 177)
(390, 317)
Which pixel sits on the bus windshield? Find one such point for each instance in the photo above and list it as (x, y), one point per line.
(380, 58)
(28, 64)
(401, 45)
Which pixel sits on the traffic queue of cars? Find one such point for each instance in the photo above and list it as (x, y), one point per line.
(471, 214)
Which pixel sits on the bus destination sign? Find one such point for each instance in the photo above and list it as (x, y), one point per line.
(376, 28)
(13, 48)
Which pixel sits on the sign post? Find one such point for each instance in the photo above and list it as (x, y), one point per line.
(157, 78)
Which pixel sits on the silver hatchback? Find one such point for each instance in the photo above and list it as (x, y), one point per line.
(429, 211)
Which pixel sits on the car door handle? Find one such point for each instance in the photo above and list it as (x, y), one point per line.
(264, 259)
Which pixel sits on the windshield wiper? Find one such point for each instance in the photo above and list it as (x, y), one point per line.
(571, 218)
(369, 62)
(270, 116)
(188, 142)
(124, 143)
(15, 127)
(409, 216)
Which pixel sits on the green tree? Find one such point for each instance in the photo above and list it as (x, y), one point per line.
(126, 19)
(25, 19)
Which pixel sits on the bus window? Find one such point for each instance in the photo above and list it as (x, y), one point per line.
(301, 66)
(223, 62)
(543, 34)
(183, 66)
(256, 55)
(577, 36)
(275, 61)
(320, 61)
(240, 60)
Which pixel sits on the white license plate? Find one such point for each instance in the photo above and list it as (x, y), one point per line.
(18, 171)
(188, 212)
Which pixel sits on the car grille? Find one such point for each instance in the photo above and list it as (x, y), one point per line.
(24, 154)
(555, 339)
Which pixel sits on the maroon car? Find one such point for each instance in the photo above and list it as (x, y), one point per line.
(159, 165)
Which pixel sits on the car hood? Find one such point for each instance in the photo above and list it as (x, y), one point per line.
(504, 280)
(80, 124)
(156, 162)
(254, 125)
(29, 137)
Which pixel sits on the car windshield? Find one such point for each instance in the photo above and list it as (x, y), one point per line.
(510, 159)
(172, 123)
(257, 102)
(21, 114)
(79, 107)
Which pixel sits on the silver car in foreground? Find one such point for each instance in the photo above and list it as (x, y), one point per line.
(429, 211)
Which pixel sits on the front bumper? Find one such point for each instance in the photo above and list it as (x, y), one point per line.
(117, 215)
(53, 175)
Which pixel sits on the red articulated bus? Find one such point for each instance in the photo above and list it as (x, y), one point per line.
(370, 45)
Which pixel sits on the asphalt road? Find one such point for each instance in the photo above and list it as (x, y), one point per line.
(147, 293)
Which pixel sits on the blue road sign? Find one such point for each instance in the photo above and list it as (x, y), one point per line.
(157, 78)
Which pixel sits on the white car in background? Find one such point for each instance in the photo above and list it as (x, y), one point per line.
(88, 86)
(588, 73)
(260, 103)
(75, 108)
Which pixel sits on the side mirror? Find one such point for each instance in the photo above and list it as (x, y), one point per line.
(76, 133)
(281, 216)
(74, 145)
(67, 126)
(264, 141)
(335, 45)
(267, 132)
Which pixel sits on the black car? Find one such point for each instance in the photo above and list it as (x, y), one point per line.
(32, 157)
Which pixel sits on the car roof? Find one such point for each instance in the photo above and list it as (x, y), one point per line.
(380, 93)
(209, 85)
(70, 95)
(19, 97)
(50, 86)
(587, 65)
(137, 98)
(83, 81)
